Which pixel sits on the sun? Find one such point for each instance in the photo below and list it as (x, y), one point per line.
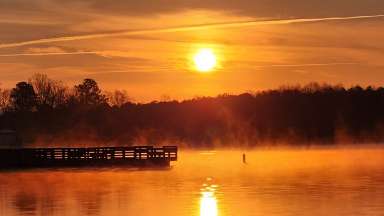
(204, 60)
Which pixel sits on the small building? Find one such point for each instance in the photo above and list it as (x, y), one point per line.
(9, 139)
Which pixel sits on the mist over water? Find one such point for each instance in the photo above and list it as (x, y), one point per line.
(209, 183)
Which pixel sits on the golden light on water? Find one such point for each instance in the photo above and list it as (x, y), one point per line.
(208, 201)
(208, 204)
(271, 184)
(205, 60)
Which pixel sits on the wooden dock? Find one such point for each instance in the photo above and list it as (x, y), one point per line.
(98, 156)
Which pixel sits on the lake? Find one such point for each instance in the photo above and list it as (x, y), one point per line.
(283, 182)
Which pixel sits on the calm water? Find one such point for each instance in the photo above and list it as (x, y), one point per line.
(274, 182)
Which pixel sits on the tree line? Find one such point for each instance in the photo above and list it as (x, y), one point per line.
(46, 112)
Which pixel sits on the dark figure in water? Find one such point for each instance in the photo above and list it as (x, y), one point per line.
(244, 160)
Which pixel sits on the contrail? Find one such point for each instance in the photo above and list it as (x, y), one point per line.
(185, 28)
(49, 54)
(311, 64)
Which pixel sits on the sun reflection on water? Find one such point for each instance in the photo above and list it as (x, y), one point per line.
(208, 200)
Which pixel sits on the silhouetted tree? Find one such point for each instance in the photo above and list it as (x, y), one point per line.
(118, 98)
(315, 112)
(23, 97)
(89, 93)
(49, 93)
(4, 99)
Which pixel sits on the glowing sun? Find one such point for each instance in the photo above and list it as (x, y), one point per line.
(205, 60)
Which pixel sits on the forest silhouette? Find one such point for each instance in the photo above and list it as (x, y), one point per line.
(45, 112)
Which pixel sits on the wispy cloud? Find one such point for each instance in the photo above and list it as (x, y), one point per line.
(52, 51)
(186, 28)
(49, 53)
(311, 64)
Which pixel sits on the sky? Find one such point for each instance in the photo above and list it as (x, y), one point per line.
(147, 47)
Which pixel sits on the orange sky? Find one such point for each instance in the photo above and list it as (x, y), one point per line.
(145, 47)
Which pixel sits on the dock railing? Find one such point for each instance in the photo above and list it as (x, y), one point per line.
(134, 153)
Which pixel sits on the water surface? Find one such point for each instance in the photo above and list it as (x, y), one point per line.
(209, 183)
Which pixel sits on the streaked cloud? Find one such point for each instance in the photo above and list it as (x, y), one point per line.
(311, 64)
(186, 28)
(252, 8)
(47, 54)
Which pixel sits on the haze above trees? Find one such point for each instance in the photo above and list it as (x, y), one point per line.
(45, 112)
